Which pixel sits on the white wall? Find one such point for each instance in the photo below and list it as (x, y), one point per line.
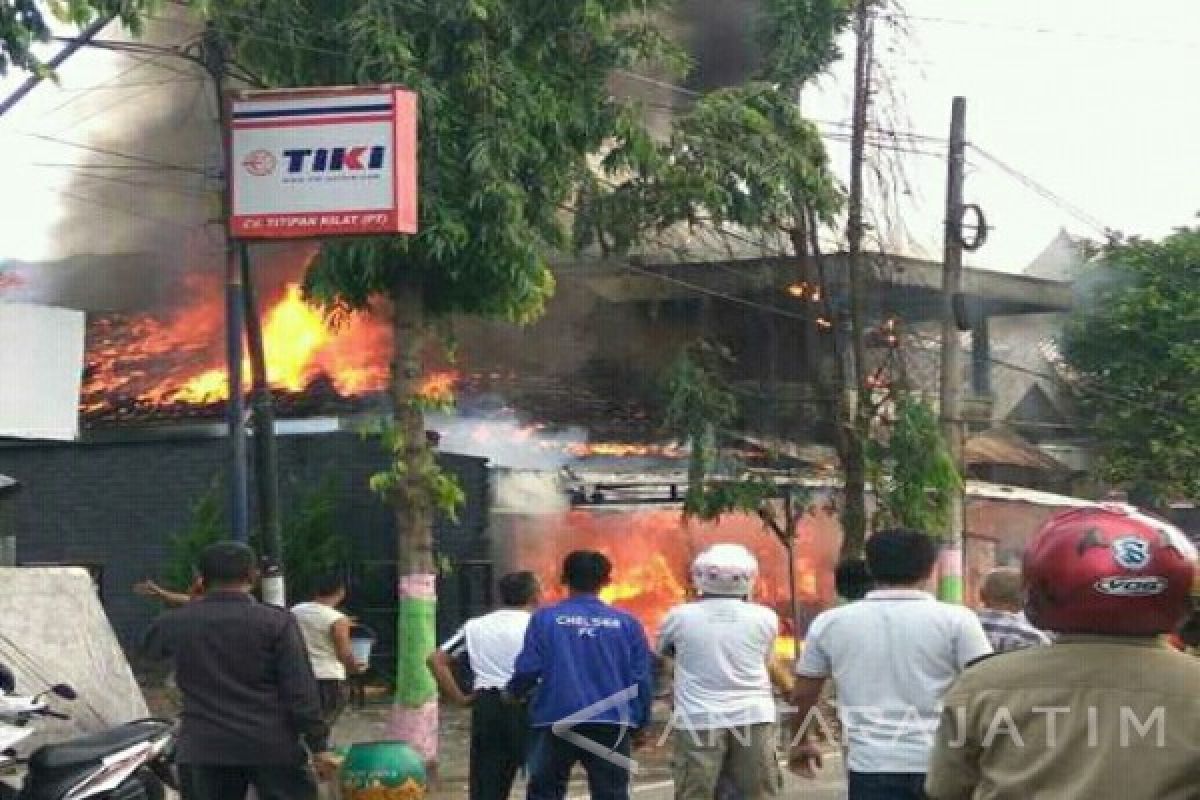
(41, 368)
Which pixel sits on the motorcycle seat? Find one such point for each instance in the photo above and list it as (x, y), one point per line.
(94, 747)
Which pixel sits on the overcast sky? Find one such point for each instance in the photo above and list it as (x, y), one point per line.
(1094, 99)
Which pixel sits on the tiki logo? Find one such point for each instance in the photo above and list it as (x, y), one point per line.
(260, 163)
(334, 159)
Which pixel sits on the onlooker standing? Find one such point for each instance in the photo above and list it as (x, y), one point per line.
(891, 655)
(1001, 617)
(725, 715)
(499, 728)
(250, 701)
(326, 633)
(591, 672)
(1106, 712)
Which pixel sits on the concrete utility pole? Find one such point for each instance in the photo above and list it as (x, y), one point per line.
(215, 58)
(950, 587)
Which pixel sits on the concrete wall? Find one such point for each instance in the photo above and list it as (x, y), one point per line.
(115, 506)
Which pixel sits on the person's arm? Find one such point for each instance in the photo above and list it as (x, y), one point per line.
(805, 759)
(341, 645)
(531, 661)
(153, 590)
(155, 645)
(298, 687)
(643, 675)
(954, 766)
(812, 670)
(441, 664)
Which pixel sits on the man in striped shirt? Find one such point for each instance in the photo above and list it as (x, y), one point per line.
(1002, 619)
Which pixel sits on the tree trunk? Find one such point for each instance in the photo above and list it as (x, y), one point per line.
(415, 713)
(858, 417)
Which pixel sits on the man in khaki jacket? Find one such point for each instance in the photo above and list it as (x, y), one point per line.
(1108, 710)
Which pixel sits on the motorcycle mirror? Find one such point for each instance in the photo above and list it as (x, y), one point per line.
(64, 691)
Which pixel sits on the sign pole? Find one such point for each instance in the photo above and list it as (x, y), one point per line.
(239, 501)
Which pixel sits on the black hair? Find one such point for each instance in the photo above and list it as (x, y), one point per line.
(852, 579)
(900, 556)
(518, 588)
(227, 563)
(328, 583)
(586, 571)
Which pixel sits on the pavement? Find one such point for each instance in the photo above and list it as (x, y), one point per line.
(652, 782)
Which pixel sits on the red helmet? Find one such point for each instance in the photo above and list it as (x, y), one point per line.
(1108, 569)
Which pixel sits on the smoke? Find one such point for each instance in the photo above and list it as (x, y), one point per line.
(720, 36)
(137, 212)
(502, 437)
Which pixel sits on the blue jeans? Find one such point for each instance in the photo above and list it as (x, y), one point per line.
(886, 786)
(552, 757)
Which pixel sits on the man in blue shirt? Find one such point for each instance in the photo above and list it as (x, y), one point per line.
(590, 670)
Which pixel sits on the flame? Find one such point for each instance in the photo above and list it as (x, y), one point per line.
(625, 450)
(652, 551)
(154, 361)
(438, 387)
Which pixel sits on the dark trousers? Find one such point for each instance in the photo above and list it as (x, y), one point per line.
(886, 786)
(552, 757)
(499, 734)
(333, 703)
(270, 782)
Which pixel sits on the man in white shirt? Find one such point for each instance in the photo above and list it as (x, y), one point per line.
(499, 729)
(724, 715)
(891, 656)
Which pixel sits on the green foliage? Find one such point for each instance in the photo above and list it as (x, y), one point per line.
(514, 98)
(1135, 345)
(312, 543)
(913, 472)
(798, 38)
(441, 487)
(700, 405)
(744, 156)
(26, 23)
(206, 525)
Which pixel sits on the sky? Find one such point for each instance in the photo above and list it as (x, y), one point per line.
(1088, 98)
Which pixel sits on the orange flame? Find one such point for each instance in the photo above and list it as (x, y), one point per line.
(438, 387)
(155, 361)
(652, 550)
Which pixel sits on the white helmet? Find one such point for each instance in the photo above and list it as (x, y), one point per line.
(725, 569)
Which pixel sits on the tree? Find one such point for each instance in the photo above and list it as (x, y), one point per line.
(743, 164)
(514, 99)
(25, 23)
(913, 471)
(1134, 345)
(700, 406)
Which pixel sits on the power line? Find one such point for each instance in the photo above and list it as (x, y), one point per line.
(1044, 192)
(107, 152)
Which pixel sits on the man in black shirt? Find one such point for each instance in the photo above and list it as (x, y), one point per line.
(250, 702)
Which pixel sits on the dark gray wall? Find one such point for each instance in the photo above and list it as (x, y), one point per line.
(116, 504)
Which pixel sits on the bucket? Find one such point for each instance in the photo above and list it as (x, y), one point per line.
(383, 771)
(362, 641)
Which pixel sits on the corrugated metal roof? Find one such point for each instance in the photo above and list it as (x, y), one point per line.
(999, 447)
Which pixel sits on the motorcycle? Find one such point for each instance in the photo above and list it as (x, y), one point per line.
(128, 762)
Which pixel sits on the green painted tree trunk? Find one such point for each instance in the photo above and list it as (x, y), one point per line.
(414, 717)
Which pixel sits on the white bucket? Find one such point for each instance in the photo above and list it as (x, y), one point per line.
(362, 641)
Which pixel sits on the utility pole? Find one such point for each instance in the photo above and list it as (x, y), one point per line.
(215, 56)
(950, 587)
(266, 451)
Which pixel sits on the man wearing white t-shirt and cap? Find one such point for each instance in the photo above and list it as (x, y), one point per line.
(892, 656)
(499, 728)
(721, 646)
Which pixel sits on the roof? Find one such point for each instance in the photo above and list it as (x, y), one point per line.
(1002, 447)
